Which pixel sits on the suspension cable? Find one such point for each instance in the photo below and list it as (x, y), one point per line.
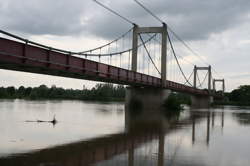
(198, 78)
(189, 76)
(108, 44)
(67, 51)
(148, 11)
(203, 80)
(171, 45)
(149, 54)
(114, 12)
(118, 53)
(177, 37)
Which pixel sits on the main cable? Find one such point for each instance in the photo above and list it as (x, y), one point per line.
(177, 37)
(198, 79)
(149, 54)
(120, 37)
(189, 77)
(114, 12)
(67, 51)
(149, 11)
(171, 45)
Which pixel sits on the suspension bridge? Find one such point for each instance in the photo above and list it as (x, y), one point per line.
(144, 58)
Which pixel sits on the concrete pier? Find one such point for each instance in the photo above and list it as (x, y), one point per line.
(150, 99)
(201, 101)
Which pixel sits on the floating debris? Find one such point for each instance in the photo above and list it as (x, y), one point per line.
(54, 121)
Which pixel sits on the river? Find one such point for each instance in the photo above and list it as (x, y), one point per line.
(102, 134)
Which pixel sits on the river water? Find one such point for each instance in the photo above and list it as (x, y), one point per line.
(102, 134)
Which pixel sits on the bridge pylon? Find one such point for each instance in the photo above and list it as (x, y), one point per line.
(161, 30)
(196, 69)
(202, 101)
(223, 85)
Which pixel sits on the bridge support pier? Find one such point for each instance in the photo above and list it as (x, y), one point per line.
(201, 101)
(143, 109)
(150, 99)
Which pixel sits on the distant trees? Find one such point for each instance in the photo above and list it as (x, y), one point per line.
(99, 92)
(240, 95)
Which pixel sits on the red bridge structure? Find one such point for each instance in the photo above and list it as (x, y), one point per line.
(28, 56)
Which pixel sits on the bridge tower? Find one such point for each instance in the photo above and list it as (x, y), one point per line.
(199, 101)
(223, 85)
(161, 30)
(149, 98)
(196, 69)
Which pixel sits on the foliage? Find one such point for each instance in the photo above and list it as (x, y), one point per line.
(173, 103)
(99, 92)
(239, 97)
(241, 94)
(183, 98)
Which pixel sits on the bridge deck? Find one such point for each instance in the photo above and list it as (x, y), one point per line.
(25, 57)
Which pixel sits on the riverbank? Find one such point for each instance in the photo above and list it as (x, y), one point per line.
(232, 103)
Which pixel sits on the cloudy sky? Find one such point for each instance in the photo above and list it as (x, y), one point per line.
(218, 30)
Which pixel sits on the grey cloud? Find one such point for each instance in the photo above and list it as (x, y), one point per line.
(190, 19)
(199, 19)
(42, 17)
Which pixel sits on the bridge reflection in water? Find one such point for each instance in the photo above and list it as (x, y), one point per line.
(142, 143)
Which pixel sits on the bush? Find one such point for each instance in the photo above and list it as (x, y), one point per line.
(172, 103)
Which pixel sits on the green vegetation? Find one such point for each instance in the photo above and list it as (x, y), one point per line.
(239, 97)
(101, 92)
(182, 98)
(172, 106)
(173, 103)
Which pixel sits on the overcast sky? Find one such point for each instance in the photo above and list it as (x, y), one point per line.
(218, 30)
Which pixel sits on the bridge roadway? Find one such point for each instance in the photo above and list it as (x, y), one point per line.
(29, 58)
(100, 149)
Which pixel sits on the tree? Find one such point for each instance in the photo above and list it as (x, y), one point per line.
(3, 93)
(11, 91)
(20, 92)
(241, 94)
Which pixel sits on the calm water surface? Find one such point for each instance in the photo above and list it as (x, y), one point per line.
(76, 121)
(102, 134)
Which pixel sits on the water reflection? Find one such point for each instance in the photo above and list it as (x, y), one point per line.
(242, 118)
(141, 130)
(191, 138)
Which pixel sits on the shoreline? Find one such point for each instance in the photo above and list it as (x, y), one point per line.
(53, 99)
(231, 103)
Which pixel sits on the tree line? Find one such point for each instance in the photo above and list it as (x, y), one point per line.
(106, 92)
(100, 92)
(239, 96)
